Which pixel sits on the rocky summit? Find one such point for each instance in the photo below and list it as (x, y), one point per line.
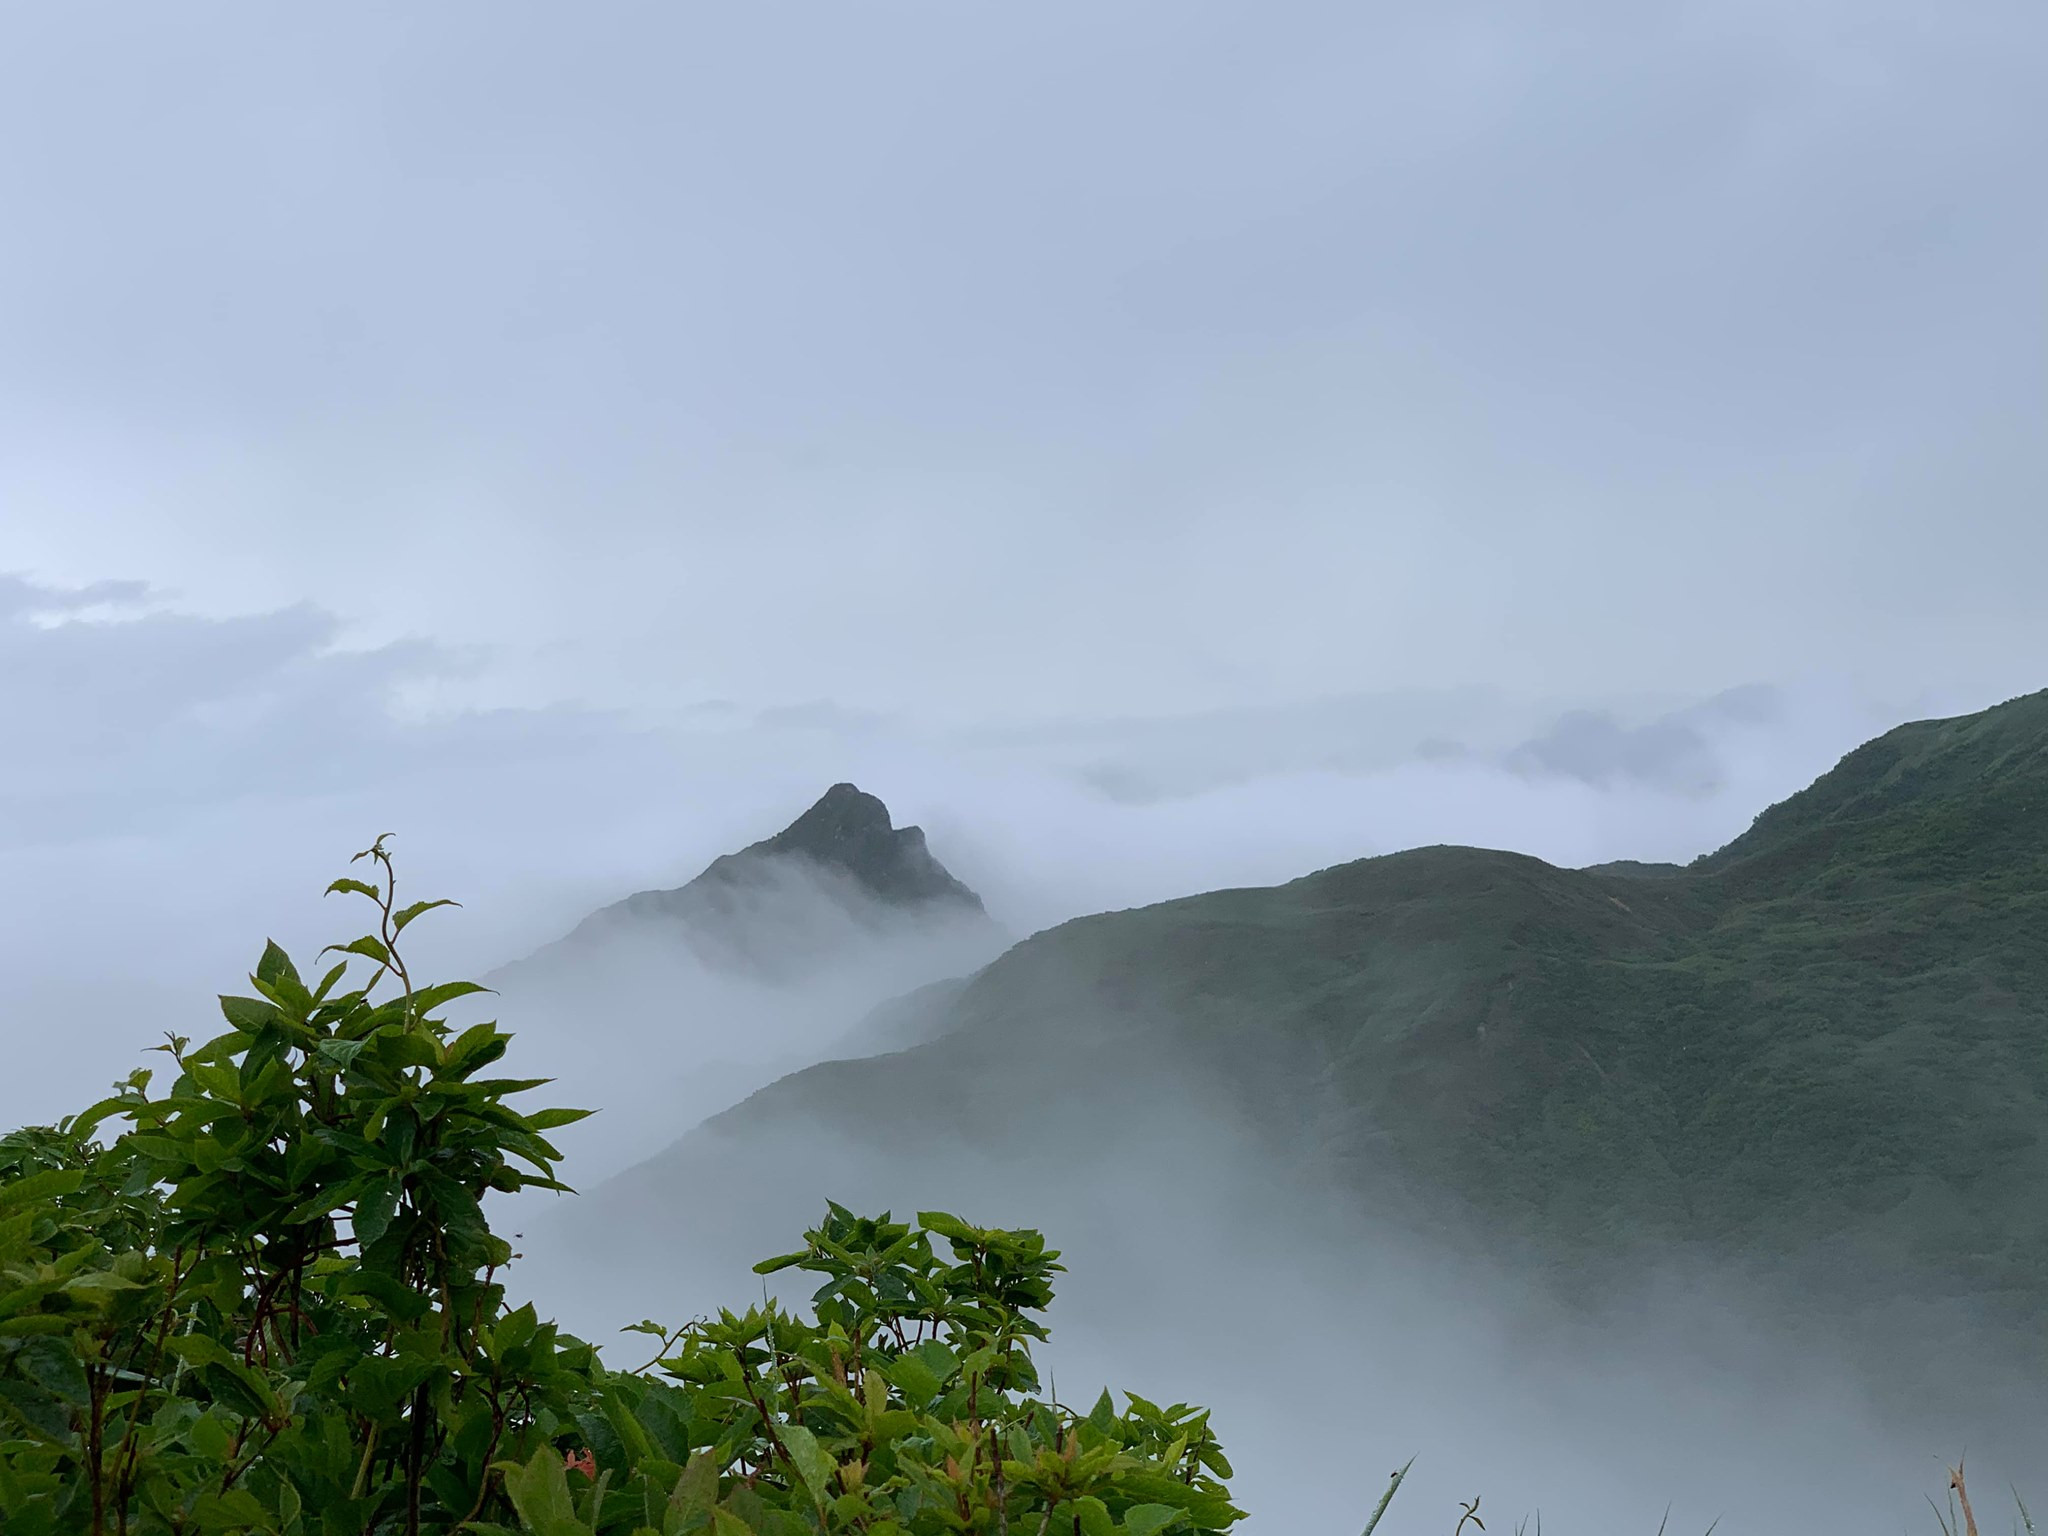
(849, 832)
(838, 876)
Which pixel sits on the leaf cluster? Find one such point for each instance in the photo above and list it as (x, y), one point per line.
(268, 1299)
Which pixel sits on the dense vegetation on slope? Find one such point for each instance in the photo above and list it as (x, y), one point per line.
(1829, 1039)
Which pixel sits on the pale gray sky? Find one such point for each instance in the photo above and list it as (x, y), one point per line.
(978, 362)
(1154, 444)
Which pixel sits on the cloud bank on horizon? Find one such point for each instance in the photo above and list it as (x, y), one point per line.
(181, 786)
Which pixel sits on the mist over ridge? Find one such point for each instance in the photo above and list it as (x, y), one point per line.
(1463, 1061)
(783, 947)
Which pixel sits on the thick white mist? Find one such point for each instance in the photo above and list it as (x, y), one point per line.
(1330, 1351)
(635, 1024)
(533, 820)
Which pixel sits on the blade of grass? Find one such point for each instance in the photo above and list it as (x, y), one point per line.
(1386, 1499)
(1955, 1481)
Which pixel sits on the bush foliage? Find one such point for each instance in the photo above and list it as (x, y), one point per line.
(269, 1299)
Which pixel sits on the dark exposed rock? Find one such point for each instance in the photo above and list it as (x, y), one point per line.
(849, 830)
(838, 874)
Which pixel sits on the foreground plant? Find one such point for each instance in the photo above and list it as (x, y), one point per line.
(1959, 1493)
(272, 1302)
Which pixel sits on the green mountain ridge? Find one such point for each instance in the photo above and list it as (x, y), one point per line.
(1825, 1044)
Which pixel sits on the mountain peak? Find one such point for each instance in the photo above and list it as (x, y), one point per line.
(851, 831)
(839, 875)
(844, 813)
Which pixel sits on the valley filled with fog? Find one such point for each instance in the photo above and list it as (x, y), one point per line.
(1207, 1267)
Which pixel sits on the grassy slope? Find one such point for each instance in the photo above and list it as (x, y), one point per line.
(1833, 1032)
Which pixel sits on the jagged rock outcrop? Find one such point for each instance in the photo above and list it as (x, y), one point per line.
(840, 875)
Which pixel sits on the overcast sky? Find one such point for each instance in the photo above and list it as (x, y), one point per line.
(1209, 439)
(984, 360)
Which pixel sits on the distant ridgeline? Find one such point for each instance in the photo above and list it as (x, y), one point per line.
(836, 877)
(1823, 1048)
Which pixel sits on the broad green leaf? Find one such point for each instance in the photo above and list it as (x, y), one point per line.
(632, 1434)
(235, 1510)
(210, 1436)
(367, 946)
(514, 1329)
(276, 966)
(35, 1188)
(476, 1046)
(811, 1462)
(240, 1386)
(1102, 1417)
(427, 999)
(198, 1349)
(51, 1364)
(1147, 1519)
(913, 1378)
(697, 1489)
(405, 915)
(158, 1148)
(938, 1359)
(36, 1323)
(403, 1048)
(374, 1210)
(539, 1490)
(249, 1013)
(339, 1054)
(548, 1119)
(951, 1228)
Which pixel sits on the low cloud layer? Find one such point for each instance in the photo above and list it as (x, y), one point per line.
(1332, 1351)
(180, 787)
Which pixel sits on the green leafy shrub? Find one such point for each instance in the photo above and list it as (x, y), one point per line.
(272, 1302)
